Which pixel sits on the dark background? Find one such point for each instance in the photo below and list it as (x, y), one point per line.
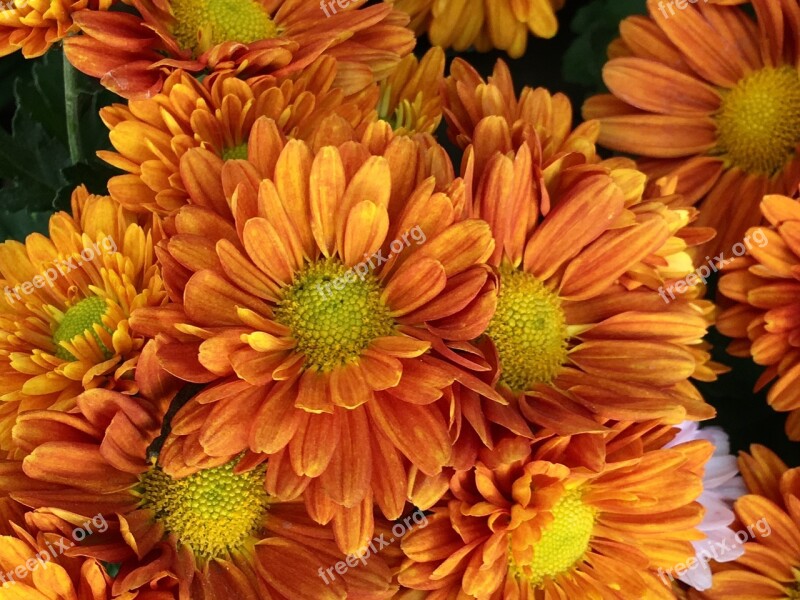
(37, 173)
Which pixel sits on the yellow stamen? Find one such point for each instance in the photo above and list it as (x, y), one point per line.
(334, 314)
(213, 511)
(237, 152)
(758, 126)
(529, 330)
(563, 543)
(202, 24)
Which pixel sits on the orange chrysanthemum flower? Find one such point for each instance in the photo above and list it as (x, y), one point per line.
(35, 26)
(33, 567)
(221, 116)
(524, 524)
(484, 24)
(713, 97)
(333, 298)
(65, 307)
(580, 253)
(410, 98)
(770, 518)
(472, 105)
(765, 319)
(132, 53)
(215, 534)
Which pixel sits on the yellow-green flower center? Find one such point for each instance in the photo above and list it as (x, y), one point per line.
(213, 511)
(758, 126)
(529, 330)
(405, 116)
(80, 319)
(202, 24)
(237, 152)
(563, 543)
(333, 313)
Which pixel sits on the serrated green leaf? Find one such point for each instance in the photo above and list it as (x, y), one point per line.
(41, 96)
(35, 165)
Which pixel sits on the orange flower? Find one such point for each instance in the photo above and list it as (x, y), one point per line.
(473, 105)
(765, 319)
(44, 575)
(725, 122)
(66, 304)
(410, 98)
(219, 115)
(214, 534)
(485, 24)
(34, 27)
(333, 297)
(770, 566)
(525, 524)
(132, 53)
(580, 331)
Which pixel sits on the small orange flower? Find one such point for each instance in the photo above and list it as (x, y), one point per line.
(770, 514)
(44, 575)
(710, 96)
(524, 523)
(765, 319)
(484, 24)
(65, 307)
(34, 27)
(410, 98)
(220, 115)
(472, 106)
(132, 54)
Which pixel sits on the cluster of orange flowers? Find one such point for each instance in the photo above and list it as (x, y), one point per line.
(322, 361)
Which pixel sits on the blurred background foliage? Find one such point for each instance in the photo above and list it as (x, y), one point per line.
(37, 173)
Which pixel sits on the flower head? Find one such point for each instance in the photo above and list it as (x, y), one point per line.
(331, 302)
(32, 566)
(524, 523)
(217, 532)
(722, 485)
(410, 98)
(34, 27)
(764, 319)
(132, 54)
(222, 116)
(65, 308)
(580, 330)
(484, 24)
(726, 124)
(769, 519)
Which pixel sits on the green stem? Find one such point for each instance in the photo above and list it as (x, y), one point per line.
(71, 104)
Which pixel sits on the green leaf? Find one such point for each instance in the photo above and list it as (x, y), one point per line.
(19, 224)
(30, 165)
(596, 25)
(35, 166)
